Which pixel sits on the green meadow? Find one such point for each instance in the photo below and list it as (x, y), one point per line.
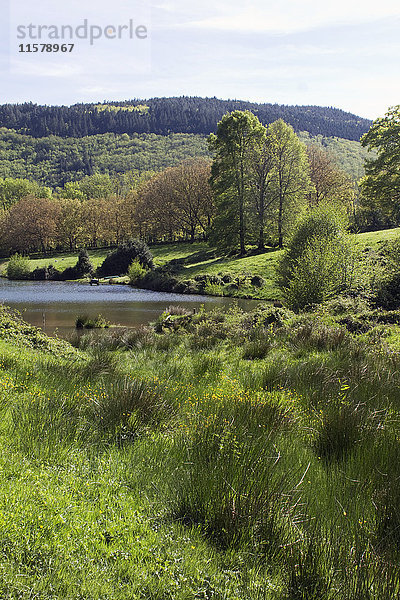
(223, 455)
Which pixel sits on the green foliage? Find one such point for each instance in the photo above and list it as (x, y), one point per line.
(12, 190)
(18, 267)
(83, 268)
(176, 114)
(135, 272)
(381, 185)
(85, 322)
(237, 133)
(60, 162)
(118, 261)
(319, 260)
(387, 288)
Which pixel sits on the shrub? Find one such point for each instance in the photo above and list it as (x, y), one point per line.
(214, 289)
(85, 322)
(387, 293)
(257, 349)
(135, 272)
(40, 274)
(118, 262)
(18, 267)
(82, 268)
(257, 281)
(319, 261)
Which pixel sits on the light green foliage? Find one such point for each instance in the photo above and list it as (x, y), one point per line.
(318, 274)
(259, 175)
(135, 272)
(319, 260)
(381, 185)
(349, 155)
(12, 190)
(18, 267)
(103, 153)
(292, 175)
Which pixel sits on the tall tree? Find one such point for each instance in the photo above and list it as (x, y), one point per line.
(69, 225)
(292, 172)
(262, 178)
(330, 183)
(237, 135)
(381, 184)
(30, 224)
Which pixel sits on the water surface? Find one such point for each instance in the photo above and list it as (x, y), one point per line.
(54, 306)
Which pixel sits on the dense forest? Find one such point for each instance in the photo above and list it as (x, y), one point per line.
(54, 161)
(171, 115)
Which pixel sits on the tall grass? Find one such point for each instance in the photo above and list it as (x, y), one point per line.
(265, 444)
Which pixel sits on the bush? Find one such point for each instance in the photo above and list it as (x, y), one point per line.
(118, 262)
(135, 272)
(83, 268)
(257, 281)
(85, 322)
(387, 294)
(40, 274)
(319, 261)
(18, 267)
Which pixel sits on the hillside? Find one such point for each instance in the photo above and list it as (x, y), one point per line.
(54, 160)
(171, 115)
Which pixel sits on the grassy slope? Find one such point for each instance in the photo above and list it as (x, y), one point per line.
(374, 239)
(274, 440)
(261, 264)
(77, 514)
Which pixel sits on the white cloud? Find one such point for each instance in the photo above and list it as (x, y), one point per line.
(291, 15)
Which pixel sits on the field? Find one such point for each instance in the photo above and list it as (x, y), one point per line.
(224, 455)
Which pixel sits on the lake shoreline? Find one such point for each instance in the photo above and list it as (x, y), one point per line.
(56, 305)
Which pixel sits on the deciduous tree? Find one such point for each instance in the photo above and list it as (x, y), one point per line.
(237, 135)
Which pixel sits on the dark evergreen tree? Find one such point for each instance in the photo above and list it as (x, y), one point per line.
(118, 261)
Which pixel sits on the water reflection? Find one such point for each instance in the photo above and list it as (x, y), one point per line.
(54, 306)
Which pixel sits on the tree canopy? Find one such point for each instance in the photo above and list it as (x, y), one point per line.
(381, 184)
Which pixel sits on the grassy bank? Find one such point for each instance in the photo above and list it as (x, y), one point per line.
(218, 455)
(221, 275)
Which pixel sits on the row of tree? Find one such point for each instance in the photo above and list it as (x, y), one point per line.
(262, 178)
(174, 204)
(166, 115)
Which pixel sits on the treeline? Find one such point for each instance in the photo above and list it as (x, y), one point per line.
(175, 204)
(196, 199)
(171, 115)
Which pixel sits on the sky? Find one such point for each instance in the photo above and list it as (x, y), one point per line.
(344, 54)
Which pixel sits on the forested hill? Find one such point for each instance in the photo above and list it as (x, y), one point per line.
(171, 115)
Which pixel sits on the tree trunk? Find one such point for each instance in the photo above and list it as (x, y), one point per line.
(280, 219)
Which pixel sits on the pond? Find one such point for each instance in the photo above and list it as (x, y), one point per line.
(54, 306)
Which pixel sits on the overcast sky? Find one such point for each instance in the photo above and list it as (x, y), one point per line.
(344, 54)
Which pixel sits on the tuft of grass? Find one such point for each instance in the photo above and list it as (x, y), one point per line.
(85, 322)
